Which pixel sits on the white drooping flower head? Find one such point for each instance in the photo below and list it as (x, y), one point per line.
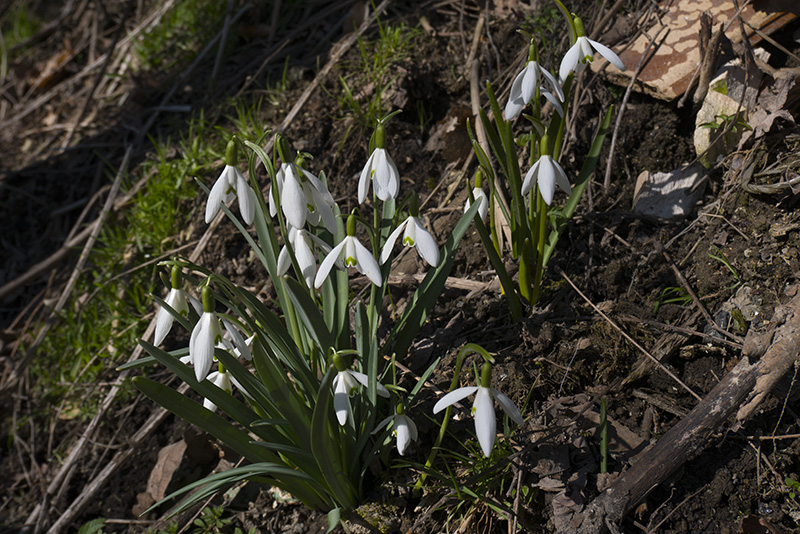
(303, 244)
(403, 428)
(345, 384)
(205, 336)
(483, 408)
(532, 78)
(221, 379)
(581, 53)
(548, 174)
(176, 299)
(229, 184)
(479, 196)
(350, 253)
(414, 235)
(380, 170)
(302, 197)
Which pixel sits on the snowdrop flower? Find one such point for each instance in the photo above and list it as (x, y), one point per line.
(350, 253)
(381, 170)
(302, 197)
(303, 246)
(345, 384)
(479, 196)
(527, 82)
(229, 184)
(482, 408)
(221, 379)
(176, 299)
(205, 336)
(581, 53)
(414, 235)
(548, 174)
(403, 428)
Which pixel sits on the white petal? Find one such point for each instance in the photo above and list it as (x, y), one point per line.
(247, 200)
(485, 423)
(325, 211)
(283, 261)
(453, 397)
(508, 406)
(554, 85)
(561, 178)
(365, 178)
(386, 179)
(570, 61)
(403, 433)
(547, 179)
(483, 209)
(530, 81)
(341, 398)
(305, 258)
(320, 189)
(163, 325)
(607, 53)
(412, 427)
(216, 197)
(515, 101)
(293, 201)
(201, 344)
(177, 301)
(207, 404)
(364, 381)
(553, 100)
(366, 263)
(327, 264)
(426, 244)
(389, 245)
(530, 176)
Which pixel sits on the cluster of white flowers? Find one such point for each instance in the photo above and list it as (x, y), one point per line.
(305, 202)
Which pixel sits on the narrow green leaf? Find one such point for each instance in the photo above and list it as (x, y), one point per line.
(197, 415)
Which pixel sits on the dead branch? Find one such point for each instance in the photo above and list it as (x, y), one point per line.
(765, 357)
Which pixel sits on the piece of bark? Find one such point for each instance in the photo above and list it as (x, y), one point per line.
(765, 355)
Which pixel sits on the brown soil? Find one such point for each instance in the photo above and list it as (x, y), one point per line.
(562, 354)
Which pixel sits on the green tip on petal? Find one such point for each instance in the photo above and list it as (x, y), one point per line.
(380, 136)
(486, 375)
(208, 299)
(232, 152)
(351, 225)
(579, 31)
(176, 279)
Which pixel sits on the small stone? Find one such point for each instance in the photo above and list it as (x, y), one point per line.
(669, 195)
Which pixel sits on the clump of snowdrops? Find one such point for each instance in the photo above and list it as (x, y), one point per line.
(532, 215)
(308, 400)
